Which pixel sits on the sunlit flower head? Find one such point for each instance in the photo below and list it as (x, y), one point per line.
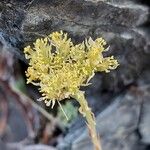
(60, 68)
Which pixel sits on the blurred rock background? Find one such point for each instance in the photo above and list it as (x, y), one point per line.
(120, 99)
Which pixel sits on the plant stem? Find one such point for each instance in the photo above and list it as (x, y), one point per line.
(87, 113)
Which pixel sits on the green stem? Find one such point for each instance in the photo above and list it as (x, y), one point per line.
(87, 113)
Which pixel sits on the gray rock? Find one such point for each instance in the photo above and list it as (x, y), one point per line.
(116, 125)
(18, 146)
(124, 25)
(144, 126)
(122, 2)
(16, 129)
(80, 18)
(3, 146)
(127, 46)
(113, 22)
(123, 125)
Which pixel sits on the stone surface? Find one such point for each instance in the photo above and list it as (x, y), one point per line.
(81, 19)
(30, 147)
(2, 146)
(122, 111)
(127, 46)
(144, 126)
(96, 19)
(117, 125)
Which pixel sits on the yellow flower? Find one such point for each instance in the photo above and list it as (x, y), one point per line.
(60, 67)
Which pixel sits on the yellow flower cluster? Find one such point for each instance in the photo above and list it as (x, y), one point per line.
(60, 67)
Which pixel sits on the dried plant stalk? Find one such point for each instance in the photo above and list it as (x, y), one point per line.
(90, 118)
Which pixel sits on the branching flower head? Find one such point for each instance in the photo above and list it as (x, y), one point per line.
(59, 67)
